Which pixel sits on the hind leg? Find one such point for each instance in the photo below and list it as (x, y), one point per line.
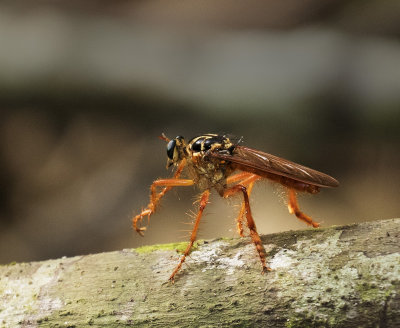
(293, 208)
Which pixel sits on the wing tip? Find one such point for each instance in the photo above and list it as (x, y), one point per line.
(333, 183)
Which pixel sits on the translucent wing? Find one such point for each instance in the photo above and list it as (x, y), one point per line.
(248, 159)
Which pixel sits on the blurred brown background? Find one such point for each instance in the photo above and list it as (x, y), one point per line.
(87, 86)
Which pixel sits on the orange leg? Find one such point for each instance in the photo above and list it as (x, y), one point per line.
(249, 182)
(155, 197)
(239, 219)
(238, 177)
(294, 209)
(161, 194)
(250, 223)
(203, 202)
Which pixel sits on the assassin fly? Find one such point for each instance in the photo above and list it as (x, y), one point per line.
(214, 161)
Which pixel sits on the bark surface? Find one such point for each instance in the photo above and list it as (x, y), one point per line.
(346, 276)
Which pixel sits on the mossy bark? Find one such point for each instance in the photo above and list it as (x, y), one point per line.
(346, 276)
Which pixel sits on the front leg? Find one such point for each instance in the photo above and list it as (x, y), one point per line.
(155, 199)
(203, 203)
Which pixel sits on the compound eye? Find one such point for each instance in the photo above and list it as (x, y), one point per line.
(170, 148)
(197, 145)
(208, 143)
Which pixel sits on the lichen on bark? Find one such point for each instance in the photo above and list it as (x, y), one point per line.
(335, 277)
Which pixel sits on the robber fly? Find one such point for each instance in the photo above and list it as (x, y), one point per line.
(214, 161)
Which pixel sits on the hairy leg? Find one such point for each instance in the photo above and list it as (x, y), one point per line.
(238, 177)
(203, 202)
(250, 223)
(294, 209)
(155, 197)
(249, 183)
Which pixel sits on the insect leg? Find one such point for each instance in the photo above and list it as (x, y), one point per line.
(249, 182)
(238, 177)
(239, 219)
(294, 209)
(203, 202)
(155, 197)
(250, 223)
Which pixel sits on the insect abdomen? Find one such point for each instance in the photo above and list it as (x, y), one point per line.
(298, 185)
(287, 182)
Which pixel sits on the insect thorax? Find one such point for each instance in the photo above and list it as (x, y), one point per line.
(207, 171)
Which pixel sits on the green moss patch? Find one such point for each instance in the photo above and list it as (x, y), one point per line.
(179, 247)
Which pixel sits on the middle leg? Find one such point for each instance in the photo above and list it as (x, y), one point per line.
(250, 223)
(249, 183)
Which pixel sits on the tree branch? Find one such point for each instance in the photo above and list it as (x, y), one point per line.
(345, 276)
